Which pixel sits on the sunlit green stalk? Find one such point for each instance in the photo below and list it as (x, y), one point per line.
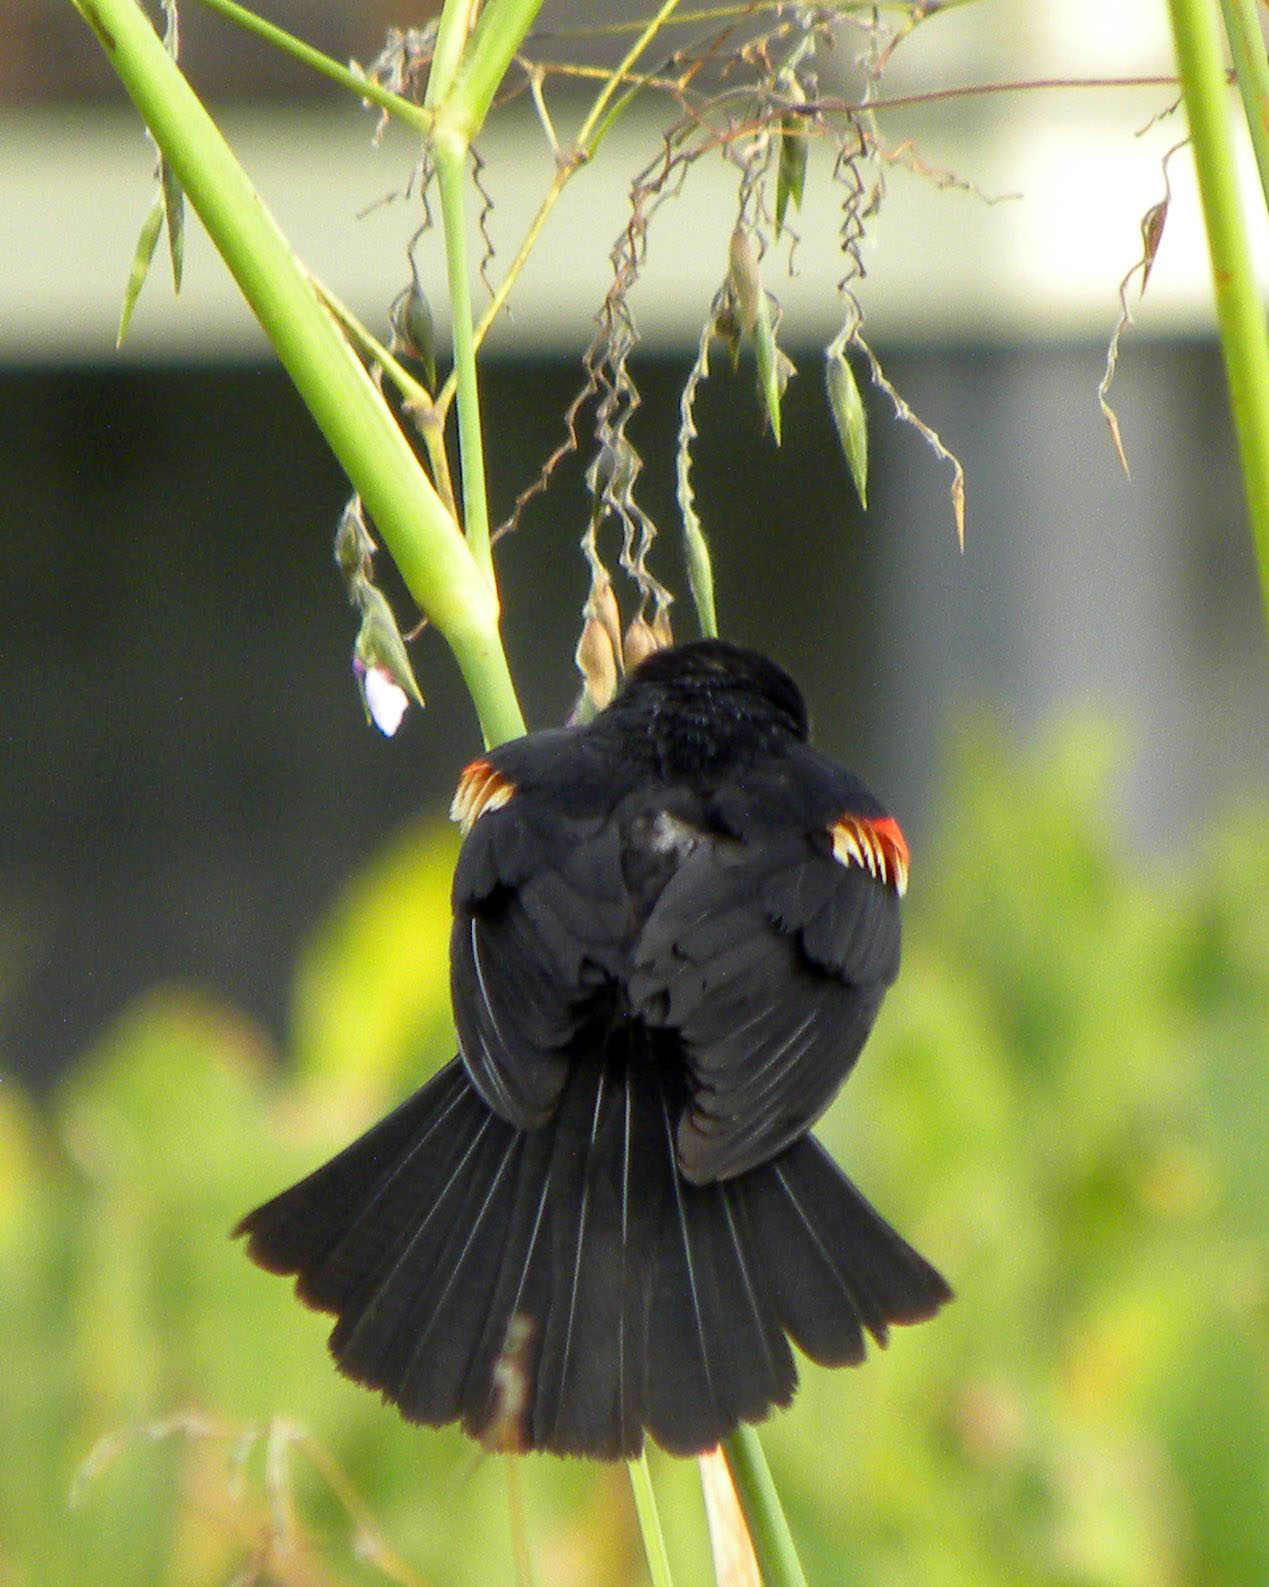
(769, 1531)
(421, 535)
(649, 1521)
(1247, 47)
(1239, 309)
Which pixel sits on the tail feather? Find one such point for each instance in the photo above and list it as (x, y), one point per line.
(566, 1288)
(837, 1267)
(336, 1209)
(434, 1261)
(587, 1396)
(432, 1351)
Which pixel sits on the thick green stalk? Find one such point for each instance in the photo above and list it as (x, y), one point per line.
(1247, 47)
(649, 1521)
(1239, 310)
(769, 1531)
(421, 535)
(450, 154)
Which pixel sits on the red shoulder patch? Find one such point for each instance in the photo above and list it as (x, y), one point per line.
(876, 845)
(481, 787)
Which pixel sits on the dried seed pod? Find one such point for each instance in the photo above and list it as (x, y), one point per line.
(596, 659)
(601, 604)
(412, 330)
(744, 280)
(640, 642)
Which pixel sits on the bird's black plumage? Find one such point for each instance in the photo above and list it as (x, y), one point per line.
(673, 928)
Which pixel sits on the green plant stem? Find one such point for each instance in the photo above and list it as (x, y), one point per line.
(451, 40)
(451, 165)
(649, 1521)
(417, 399)
(1239, 310)
(490, 51)
(589, 134)
(594, 117)
(1247, 47)
(422, 537)
(769, 1531)
(395, 104)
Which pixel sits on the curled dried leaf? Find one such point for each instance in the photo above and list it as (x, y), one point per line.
(1152, 224)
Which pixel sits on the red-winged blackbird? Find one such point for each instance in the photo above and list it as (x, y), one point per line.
(672, 930)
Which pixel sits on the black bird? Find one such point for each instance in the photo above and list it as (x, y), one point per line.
(673, 928)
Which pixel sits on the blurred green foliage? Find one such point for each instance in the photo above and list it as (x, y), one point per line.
(1064, 1104)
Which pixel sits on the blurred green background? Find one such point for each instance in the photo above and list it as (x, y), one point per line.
(1064, 1104)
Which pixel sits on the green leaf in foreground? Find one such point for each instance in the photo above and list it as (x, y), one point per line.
(849, 416)
(141, 260)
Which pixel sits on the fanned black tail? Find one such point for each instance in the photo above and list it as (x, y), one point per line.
(565, 1288)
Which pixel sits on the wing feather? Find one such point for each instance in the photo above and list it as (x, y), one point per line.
(769, 957)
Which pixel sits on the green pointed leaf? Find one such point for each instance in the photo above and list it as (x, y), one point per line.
(141, 260)
(850, 417)
(790, 168)
(774, 368)
(174, 214)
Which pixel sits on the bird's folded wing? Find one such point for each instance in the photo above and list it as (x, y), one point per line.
(538, 912)
(770, 959)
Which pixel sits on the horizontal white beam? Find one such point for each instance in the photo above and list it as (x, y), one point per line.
(941, 264)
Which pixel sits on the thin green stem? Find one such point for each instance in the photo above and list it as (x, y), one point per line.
(1247, 46)
(1239, 310)
(446, 394)
(451, 170)
(772, 1541)
(421, 535)
(596, 112)
(417, 399)
(395, 104)
(591, 129)
(649, 1521)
